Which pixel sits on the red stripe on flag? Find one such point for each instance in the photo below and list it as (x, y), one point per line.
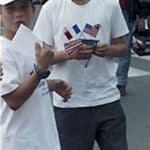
(72, 46)
(71, 43)
(75, 49)
(93, 31)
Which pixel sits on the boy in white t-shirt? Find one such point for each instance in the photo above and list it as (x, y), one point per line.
(26, 115)
(94, 111)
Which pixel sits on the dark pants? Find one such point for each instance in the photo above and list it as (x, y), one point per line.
(79, 127)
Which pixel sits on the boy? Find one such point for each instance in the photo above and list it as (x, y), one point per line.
(27, 119)
(94, 111)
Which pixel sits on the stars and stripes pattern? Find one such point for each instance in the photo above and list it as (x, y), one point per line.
(91, 30)
(72, 46)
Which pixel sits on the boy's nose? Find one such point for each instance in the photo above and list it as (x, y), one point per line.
(19, 12)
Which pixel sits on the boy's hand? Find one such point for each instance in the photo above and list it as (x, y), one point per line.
(102, 49)
(84, 52)
(61, 87)
(76, 49)
(44, 56)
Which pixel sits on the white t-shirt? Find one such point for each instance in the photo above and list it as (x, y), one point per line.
(32, 126)
(96, 84)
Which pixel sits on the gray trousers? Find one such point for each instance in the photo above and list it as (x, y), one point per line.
(79, 127)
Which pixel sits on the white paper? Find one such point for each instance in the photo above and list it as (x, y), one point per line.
(24, 41)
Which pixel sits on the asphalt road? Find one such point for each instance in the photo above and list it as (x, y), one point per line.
(137, 104)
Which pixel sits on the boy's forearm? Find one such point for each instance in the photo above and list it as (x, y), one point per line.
(18, 97)
(51, 84)
(60, 56)
(118, 50)
(119, 47)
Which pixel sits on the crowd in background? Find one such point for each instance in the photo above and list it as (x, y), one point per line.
(137, 15)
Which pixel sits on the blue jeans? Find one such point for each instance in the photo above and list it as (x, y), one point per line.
(124, 61)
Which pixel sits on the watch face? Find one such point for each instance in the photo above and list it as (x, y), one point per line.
(45, 74)
(41, 73)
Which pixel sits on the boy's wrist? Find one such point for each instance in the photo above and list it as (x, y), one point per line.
(51, 84)
(62, 56)
(41, 73)
(67, 56)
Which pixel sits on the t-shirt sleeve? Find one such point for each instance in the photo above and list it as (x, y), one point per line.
(118, 24)
(10, 80)
(43, 28)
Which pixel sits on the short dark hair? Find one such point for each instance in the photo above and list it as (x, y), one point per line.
(19, 0)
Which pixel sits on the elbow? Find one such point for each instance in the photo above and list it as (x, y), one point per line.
(12, 103)
(13, 107)
(124, 46)
(125, 50)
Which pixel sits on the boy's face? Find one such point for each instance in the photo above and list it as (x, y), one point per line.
(16, 13)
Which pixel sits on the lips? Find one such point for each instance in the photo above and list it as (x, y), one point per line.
(19, 22)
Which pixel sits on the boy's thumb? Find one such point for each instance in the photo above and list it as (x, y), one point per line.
(37, 49)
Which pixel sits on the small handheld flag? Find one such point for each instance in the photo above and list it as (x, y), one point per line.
(72, 46)
(89, 29)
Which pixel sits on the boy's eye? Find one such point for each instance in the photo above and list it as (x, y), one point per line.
(25, 6)
(13, 8)
(10, 8)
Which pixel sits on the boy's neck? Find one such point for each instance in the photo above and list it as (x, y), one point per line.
(8, 36)
(81, 2)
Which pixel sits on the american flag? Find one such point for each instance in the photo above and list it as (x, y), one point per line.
(72, 46)
(91, 30)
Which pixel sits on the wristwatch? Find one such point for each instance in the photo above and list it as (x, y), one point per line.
(42, 74)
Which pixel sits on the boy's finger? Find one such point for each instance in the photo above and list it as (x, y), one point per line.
(37, 49)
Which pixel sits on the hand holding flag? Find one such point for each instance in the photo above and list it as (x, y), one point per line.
(78, 50)
(72, 46)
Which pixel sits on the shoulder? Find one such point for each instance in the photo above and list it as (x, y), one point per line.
(108, 5)
(5, 44)
(112, 3)
(50, 8)
(8, 54)
(53, 4)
